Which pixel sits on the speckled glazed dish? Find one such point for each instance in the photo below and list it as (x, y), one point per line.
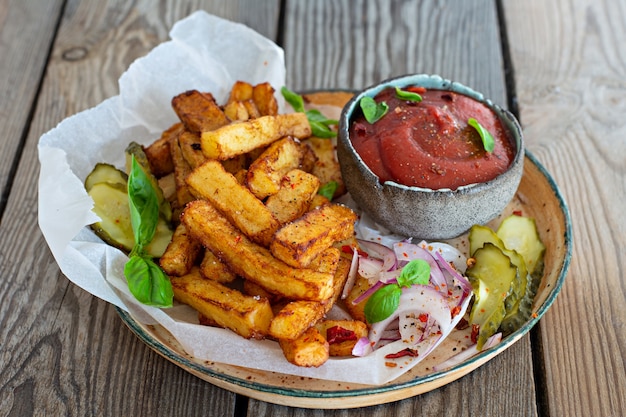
(537, 196)
(422, 212)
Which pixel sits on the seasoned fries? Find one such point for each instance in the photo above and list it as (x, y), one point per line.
(256, 247)
(198, 111)
(296, 318)
(181, 254)
(309, 350)
(264, 174)
(298, 242)
(253, 261)
(236, 202)
(293, 198)
(239, 138)
(246, 316)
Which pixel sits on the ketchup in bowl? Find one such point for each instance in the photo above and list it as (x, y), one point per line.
(430, 144)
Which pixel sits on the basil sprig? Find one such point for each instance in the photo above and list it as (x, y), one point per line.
(320, 124)
(485, 136)
(372, 110)
(408, 95)
(146, 281)
(386, 299)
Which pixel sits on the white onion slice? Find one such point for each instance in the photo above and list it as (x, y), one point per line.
(347, 287)
(413, 301)
(370, 268)
(448, 252)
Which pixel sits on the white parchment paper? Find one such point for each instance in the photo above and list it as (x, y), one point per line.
(205, 53)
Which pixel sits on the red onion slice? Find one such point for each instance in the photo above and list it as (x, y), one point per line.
(380, 251)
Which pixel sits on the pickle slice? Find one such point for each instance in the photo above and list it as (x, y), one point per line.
(478, 236)
(491, 277)
(111, 205)
(520, 234)
(105, 173)
(107, 186)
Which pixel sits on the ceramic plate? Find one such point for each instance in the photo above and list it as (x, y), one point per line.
(538, 197)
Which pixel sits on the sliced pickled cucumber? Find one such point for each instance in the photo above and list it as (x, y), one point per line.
(520, 234)
(491, 277)
(111, 205)
(478, 236)
(522, 310)
(105, 173)
(136, 149)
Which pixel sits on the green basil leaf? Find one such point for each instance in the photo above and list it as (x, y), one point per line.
(488, 141)
(328, 189)
(319, 123)
(382, 303)
(372, 110)
(408, 95)
(144, 205)
(147, 282)
(315, 115)
(416, 271)
(294, 99)
(321, 130)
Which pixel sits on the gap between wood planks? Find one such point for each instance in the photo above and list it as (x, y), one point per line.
(513, 106)
(4, 198)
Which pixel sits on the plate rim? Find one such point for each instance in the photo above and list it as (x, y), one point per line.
(458, 370)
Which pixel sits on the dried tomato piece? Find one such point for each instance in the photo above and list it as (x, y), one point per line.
(338, 334)
(404, 352)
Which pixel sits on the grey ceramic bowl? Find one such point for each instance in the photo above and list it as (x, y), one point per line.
(421, 212)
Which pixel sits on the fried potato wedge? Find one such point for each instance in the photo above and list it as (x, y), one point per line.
(326, 168)
(252, 261)
(263, 97)
(309, 350)
(198, 111)
(241, 91)
(211, 267)
(211, 181)
(236, 111)
(341, 275)
(265, 173)
(247, 316)
(239, 138)
(342, 335)
(181, 253)
(189, 143)
(295, 318)
(181, 170)
(293, 199)
(299, 242)
(158, 152)
(255, 290)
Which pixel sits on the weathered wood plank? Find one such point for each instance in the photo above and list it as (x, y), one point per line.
(65, 352)
(570, 67)
(351, 44)
(26, 32)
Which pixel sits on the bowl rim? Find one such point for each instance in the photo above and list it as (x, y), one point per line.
(506, 117)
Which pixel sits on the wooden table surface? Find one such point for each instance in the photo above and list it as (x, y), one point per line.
(560, 65)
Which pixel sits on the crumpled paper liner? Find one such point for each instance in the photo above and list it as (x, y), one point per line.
(208, 54)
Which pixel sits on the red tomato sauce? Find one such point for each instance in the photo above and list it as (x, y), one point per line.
(429, 144)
